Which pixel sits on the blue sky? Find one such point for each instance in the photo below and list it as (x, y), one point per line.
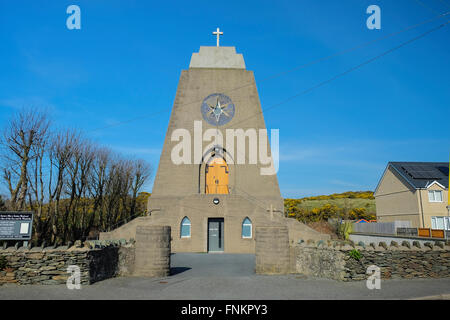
(126, 60)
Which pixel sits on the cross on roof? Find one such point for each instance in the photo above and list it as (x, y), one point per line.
(218, 33)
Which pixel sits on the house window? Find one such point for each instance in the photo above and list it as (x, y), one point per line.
(442, 223)
(435, 196)
(247, 228)
(185, 228)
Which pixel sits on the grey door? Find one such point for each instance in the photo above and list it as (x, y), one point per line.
(215, 234)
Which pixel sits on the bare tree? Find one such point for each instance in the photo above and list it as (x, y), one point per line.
(19, 139)
(61, 152)
(99, 177)
(117, 187)
(77, 185)
(2, 204)
(37, 179)
(141, 174)
(71, 183)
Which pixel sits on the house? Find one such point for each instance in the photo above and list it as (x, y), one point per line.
(416, 192)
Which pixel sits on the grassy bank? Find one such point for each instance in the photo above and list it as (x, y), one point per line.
(347, 205)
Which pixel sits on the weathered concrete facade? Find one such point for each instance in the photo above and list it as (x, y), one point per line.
(180, 191)
(233, 208)
(152, 255)
(272, 250)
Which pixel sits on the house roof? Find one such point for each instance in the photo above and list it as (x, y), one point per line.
(422, 174)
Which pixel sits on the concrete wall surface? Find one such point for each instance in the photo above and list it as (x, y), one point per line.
(272, 250)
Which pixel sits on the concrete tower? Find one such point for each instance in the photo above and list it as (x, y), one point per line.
(216, 178)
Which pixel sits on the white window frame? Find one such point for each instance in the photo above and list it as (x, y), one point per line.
(446, 222)
(251, 228)
(433, 192)
(185, 224)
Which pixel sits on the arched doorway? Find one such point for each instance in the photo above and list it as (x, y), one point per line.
(216, 176)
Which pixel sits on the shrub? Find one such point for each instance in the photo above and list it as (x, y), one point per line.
(345, 228)
(355, 254)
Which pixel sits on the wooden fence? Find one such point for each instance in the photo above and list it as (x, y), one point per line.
(431, 233)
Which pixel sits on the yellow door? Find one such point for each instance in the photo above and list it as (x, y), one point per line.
(217, 176)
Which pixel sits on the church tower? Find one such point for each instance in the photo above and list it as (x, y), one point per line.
(216, 178)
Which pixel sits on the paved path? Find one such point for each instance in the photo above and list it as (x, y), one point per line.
(224, 276)
(213, 264)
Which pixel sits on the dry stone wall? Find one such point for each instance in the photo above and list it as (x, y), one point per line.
(349, 262)
(96, 260)
(148, 256)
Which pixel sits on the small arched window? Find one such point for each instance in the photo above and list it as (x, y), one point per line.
(247, 228)
(185, 228)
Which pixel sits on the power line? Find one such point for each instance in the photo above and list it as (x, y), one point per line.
(346, 72)
(142, 116)
(252, 198)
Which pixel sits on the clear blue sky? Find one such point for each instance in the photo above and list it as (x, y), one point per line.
(125, 63)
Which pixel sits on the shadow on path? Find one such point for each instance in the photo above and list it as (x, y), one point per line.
(177, 270)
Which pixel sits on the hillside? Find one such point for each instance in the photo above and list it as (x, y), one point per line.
(347, 205)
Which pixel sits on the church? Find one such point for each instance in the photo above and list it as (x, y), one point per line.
(213, 186)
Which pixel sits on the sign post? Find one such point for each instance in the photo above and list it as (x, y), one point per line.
(16, 225)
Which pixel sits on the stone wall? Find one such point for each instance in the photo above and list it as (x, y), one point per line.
(333, 260)
(367, 239)
(97, 261)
